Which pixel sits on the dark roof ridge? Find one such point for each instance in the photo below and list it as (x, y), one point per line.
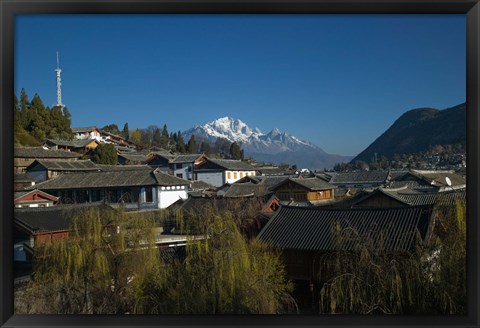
(345, 209)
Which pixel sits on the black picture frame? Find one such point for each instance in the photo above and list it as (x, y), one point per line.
(10, 8)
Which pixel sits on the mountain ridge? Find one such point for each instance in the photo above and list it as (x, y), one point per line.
(417, 130)
(276, 146)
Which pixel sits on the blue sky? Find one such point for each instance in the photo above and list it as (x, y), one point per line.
(338, 81)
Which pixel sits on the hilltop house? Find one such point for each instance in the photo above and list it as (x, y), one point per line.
(91, 132)
(80, 146)
(218, 172)
(132, 189)
(112, 138)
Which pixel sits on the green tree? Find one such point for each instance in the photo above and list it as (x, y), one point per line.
(91, 272)
(180, 147)
(235, 151)
(126, 132)
(164, 140)
(222, 274)
(157, 138)
(60, 124)
(105, 154)
(430, 279)
(136, 136)
(205, 148)
(192, 145)
(111, 128)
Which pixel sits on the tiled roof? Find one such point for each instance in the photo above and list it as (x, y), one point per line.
(77, 143)
(23, 177)
(428, 198)
(134, 157)
(437, 178)
(164, 179)
(270, 170)
(40, 152)
(86, 129)
(413, 185)
(231, 164)
(106, 168)
(111, 134)
(58, 165)
(55, 218)
(270, 181)
(110, 179)
(313, 184)
(247, 189)
(198, 184)
(20, 194)
(363, 177)
(312, 228)
(185, 158)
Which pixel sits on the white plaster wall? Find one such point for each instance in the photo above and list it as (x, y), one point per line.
(170, 195)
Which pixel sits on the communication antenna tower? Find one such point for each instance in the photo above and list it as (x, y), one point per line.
(59, 85)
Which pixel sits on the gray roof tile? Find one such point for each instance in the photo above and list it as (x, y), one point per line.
(231, 164)
(77, 143)
(111, 179)
(312, 228)
(40, 152)
(59, 165)
(363, 177)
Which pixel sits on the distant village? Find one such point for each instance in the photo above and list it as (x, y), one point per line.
(293, 207)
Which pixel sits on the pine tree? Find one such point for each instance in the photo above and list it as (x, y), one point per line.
(180, 147)
(191, 145)
(205, 148)
(125, 132)
(235, 151)
(164, 138)
(157, 138)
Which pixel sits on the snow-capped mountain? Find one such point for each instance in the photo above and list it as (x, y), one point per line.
(228, 128)
(251, 140)
(276, 146)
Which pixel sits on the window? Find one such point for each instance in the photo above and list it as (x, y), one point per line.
(148, 195)
(178, 165)
(284, 196)
(228, 176)
(235, 175)
(180, 175)
(300, 196)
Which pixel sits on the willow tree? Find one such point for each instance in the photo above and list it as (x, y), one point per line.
(222, 273)
(429, 279)
(91, 271)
